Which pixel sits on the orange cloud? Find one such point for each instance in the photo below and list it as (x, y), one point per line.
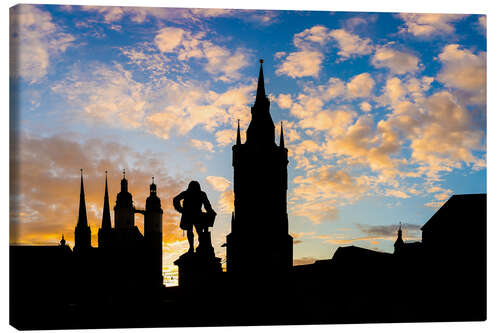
(304, 261)
(226, 202)
(46, 186)
(218, 183)
(465, 71)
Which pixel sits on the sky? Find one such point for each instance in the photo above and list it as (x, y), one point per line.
(384, 116)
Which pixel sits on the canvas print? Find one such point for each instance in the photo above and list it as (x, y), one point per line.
(177, 167)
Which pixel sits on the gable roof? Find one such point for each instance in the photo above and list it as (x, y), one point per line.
(457, 208)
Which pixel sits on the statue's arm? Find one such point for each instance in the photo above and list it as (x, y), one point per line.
(177, 202)
(206, 203)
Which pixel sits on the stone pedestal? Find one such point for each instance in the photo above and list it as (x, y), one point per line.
(199, 269)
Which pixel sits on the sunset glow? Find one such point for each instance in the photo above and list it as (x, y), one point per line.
(384, 117)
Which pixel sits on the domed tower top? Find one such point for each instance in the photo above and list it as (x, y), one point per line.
(153, 202)
(399, 243)
(124, 198)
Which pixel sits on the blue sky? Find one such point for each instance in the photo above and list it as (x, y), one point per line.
(384, 115)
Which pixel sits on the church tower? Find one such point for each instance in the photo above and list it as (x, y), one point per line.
(105, 231)
(399, 243)
(153, 238)
(259, 229)
(124, 208)
(82, 229)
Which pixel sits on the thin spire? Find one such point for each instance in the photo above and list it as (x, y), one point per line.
(261, 129)
(400, 232)
(261, 91)
(282, 138)
(153, 180)
(238, 136)
(123, 173)
(106, 215)
(82, 211)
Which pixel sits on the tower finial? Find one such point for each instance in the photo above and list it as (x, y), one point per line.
(282, 137)
(153, 179)
(261, 91)
(238, 136)
(123, 173)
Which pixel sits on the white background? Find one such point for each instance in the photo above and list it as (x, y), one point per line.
(420, 6)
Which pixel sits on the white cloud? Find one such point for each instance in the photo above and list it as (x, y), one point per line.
(284, 101)
(111, 96)
(425, 25)
(180, 15)
(351, 44)
(311, 45)
(360, 86)
(365, 106)
(219, 61)
(36, 39)
(202, 145)
(300, 64)
(106, 94)
(465, 71)
(396, 61)
(169, 38)
(396, 193)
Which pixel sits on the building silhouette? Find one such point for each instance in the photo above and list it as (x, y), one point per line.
(260, 196)
(125, 259)
(119, 284)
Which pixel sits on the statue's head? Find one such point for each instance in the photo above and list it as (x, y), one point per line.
(194, 186)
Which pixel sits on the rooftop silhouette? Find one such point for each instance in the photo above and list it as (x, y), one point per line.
(120, 283)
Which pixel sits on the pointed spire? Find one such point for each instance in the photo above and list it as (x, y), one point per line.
(63, 241)
(282, 138)
(82, 212)
(261, 129)
(106, 215)
(261, 91)
(238, 136)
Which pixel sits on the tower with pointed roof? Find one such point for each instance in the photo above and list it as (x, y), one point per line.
(259, 229)
(105, 233)
(153, 238)
(82, 229)
(399, 243)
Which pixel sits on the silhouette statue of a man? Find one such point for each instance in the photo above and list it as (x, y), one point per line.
(193, 198)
